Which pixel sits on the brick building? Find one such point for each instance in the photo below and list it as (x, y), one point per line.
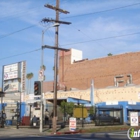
(75, 72)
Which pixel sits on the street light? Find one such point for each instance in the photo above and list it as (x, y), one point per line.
(42, 56)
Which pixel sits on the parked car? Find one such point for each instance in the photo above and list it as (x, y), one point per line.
(105, 118)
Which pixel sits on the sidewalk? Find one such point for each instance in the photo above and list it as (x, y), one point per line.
(34, 131)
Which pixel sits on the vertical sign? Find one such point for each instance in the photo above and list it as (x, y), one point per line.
(134, 119)
(41, 75)
(72, 124)
(23, 75)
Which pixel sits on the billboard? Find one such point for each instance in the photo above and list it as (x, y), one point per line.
(10, 71)
(10, 75)
(14, 77)
(10, 68)
(9, 87)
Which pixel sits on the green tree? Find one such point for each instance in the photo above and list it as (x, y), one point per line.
(92, 110)
(67, 107)
(29, 76)
(110, 54)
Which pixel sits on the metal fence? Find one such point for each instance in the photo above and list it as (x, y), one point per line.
(109, 116)
(84, 115)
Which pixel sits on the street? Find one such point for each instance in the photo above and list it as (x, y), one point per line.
(34, 134)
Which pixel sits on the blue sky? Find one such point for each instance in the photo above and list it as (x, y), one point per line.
(91, 20)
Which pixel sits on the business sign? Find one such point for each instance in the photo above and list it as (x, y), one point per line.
(10, 68)
(41, 75)
(10, 75)
(80, 112)
(23, 76)
(134, 119)
(8, 87)
(16, 71)
(72, 124)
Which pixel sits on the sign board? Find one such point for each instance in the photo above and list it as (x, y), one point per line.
(10, 68)
(112, 103)
(134, 119)
(132, 103)
(10, 75)
(23, 76)
(16, 72)
(72, 124)
(41, 75)
(80, 112)
(11, 87)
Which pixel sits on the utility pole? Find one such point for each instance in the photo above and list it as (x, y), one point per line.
(57, 9)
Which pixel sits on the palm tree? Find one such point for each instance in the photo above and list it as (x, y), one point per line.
(29, 76)
(43, 67)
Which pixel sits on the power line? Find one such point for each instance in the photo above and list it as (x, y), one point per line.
(71, 17)
(3, 36)
(20, 54)
(101, 39)
(22, 12)
(105, 10)
(86, 35)
(74, 43)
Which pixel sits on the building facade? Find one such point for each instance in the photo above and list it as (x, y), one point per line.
(117, 70)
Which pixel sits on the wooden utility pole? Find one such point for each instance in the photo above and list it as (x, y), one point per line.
(57, 9)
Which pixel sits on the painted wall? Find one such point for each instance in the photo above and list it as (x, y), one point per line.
(100, 95)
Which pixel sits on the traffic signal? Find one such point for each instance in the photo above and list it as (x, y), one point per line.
(37, 88)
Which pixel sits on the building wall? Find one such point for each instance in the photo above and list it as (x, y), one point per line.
(102, 70)
(47, 86)
(110, 95)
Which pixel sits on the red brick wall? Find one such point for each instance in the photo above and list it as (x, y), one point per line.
(47, 86)
(101, 70)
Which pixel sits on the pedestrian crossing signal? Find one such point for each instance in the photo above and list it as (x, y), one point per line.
(37, 88)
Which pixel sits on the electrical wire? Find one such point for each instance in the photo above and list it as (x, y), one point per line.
(85, 34)
(73, 16)
(21, 54)
(103, 11)
(77, 43)
(3, 36)
(102, 38)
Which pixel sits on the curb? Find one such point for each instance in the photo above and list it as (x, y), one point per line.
(62, 133)
(70, 132)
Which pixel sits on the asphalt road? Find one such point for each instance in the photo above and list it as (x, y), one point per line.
(27, 135)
